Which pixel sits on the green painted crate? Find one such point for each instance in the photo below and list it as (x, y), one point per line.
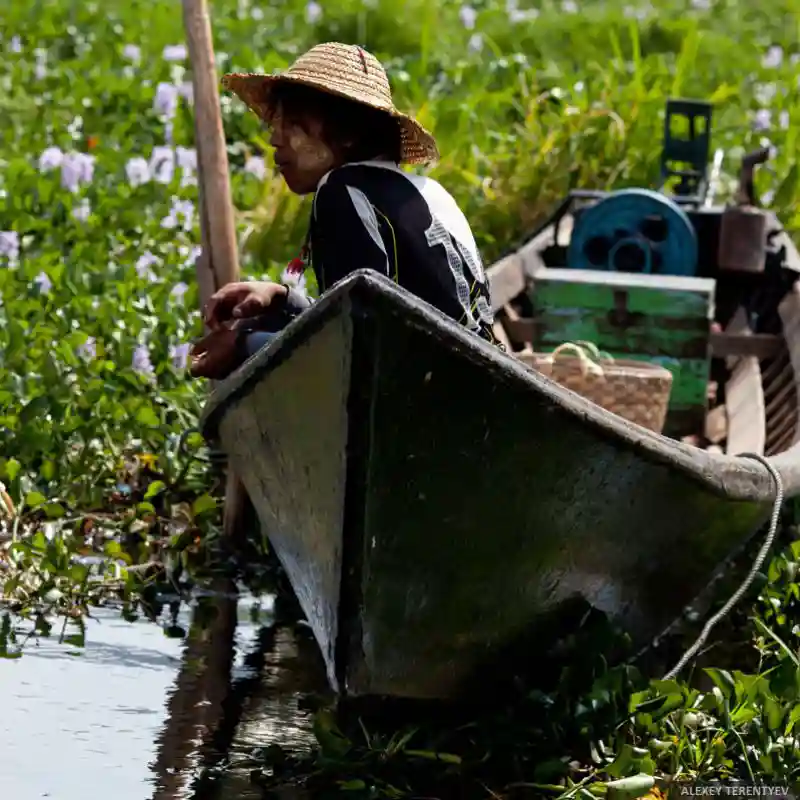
(659, 318)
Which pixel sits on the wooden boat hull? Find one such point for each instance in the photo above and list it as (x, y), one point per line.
(433, 500)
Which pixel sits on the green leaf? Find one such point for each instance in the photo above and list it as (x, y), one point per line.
(659, 707)
(112, 548)
(794, 717)
(743, 715)
(785, 193)
(12, 468)
(774, 714)
(147, 417)
(354, 785)
(630, 788)
(331, 740)
(203, 504)
(35, 499)
(194, 441)
(54, 510)
(39, 541)
(724, 680)
(625, 763)
(156, 487)
(432, 755)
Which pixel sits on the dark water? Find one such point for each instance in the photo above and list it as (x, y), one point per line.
(136, 715)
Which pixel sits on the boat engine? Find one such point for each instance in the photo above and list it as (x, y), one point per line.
(743, 227)
(634, 230)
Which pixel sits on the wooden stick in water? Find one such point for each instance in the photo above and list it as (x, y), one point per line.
(219, 263)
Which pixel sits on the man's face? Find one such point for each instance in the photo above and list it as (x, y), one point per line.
(301, 154)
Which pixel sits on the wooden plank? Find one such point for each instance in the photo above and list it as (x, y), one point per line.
(655, 335)
(664, 295)
(757, 345)
(629, 280)
(789, 310)
(520, 329)
(506, 281)
(513, 322)
(782, 398)
(716, 424)
(530, 254)
(501, 336)
(780, 431)
(744, 401)
(738, 325)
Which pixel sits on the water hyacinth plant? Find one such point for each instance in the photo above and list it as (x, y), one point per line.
(98, 304)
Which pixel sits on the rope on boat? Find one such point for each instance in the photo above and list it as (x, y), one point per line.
(757, 564)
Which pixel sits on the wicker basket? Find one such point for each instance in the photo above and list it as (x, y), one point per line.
(636, 390)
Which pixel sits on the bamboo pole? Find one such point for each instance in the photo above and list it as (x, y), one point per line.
(219, 262)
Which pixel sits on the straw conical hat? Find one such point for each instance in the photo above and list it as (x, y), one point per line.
(347, 71)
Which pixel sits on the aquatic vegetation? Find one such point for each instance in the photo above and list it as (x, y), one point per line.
(98, 304)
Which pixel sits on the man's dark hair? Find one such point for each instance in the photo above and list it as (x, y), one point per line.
(373, 133)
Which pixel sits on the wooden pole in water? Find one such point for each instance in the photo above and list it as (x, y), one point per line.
(219, 262)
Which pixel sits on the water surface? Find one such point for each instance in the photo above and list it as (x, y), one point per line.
(136, 715)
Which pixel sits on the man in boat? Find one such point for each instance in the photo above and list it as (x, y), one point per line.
(337, 134)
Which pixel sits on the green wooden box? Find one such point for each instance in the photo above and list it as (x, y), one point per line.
(659, 318)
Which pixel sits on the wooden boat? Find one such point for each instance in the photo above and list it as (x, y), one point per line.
(434, 501)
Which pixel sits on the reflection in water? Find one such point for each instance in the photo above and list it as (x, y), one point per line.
(213, 717)
(195, 708)
(274, 714)
(99, 713)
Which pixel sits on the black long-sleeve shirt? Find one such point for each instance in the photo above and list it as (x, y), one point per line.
(372, 215)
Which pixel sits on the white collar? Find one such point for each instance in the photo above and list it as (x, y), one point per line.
(372, 162)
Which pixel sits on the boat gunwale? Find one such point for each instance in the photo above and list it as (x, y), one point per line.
(729, 476)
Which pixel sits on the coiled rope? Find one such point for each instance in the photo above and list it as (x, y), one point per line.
(757, 564)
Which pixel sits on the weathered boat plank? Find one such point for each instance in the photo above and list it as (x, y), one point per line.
(744, 401)
(716, 425)
(506, 281)
(789, 310)
(760, 345)
(289, 436)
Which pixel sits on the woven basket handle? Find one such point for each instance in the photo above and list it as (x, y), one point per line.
(596, 354)
(575, 349)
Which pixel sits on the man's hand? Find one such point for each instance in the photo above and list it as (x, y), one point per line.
(241, 300)
(217, 355)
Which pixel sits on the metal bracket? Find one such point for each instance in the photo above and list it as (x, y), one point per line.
(686, 156)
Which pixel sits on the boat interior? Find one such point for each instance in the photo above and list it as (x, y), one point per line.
(708, 291)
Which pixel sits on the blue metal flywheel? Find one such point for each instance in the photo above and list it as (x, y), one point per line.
(634, 230)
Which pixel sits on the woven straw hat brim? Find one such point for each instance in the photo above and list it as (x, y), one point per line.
(418, 146)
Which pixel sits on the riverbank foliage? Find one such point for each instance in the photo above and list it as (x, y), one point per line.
(98, 235)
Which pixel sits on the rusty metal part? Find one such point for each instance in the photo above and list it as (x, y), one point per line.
(742, 239)
(746, 193)
(743, 228)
